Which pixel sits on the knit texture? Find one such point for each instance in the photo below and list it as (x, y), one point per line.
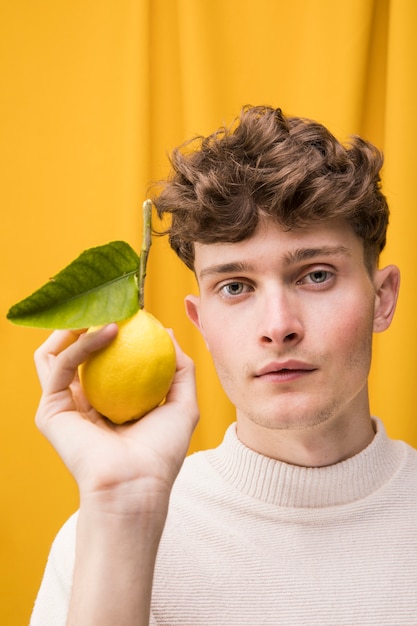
(252, 541)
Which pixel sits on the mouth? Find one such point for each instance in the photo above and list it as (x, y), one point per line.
(284, 372)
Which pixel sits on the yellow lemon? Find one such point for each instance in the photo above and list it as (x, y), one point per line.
(133, 374)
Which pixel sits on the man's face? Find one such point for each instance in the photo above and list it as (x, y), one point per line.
(288, 318)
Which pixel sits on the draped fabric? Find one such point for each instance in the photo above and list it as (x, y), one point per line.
(95, 94)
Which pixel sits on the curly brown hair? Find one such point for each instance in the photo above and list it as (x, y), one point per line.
(290, 169)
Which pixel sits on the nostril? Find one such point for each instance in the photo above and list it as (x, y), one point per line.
(287, 338)
(290, 337)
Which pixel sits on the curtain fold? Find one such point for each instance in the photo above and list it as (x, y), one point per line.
(95, 96)
(393, 376)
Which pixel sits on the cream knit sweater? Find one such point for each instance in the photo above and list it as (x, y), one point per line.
(251, 541)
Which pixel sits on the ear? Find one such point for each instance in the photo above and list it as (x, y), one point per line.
(387, 284)
(192, 308)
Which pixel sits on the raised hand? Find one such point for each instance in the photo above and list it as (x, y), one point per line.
(124, 473)
(100, 455)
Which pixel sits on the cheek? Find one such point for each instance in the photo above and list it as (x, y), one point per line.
(222, 348)
(353, 340)
(227, 351)
(221, 333)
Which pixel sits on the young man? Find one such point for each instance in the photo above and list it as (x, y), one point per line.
(306, 514)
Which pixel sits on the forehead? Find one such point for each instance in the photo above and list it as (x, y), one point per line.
(272, 243)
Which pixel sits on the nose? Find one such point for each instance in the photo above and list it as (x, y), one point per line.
(279, 318)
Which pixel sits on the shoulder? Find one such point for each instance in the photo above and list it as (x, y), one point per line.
(196, 477)
(52, 601)
(401, 488)
(410, 457)
(60, 564)
(64, 542)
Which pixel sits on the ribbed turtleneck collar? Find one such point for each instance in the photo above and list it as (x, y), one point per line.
(287, 485)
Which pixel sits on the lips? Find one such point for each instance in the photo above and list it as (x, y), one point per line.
(284, 370)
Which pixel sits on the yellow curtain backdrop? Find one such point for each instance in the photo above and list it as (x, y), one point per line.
(95, 93)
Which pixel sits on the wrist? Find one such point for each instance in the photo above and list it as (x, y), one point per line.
(116, 549)
(144, 499)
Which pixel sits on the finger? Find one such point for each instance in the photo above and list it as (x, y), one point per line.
(58, 341)
(183, 388)
(65, 364)
(185, 365)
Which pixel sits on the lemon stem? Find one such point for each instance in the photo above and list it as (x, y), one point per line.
(146, 244)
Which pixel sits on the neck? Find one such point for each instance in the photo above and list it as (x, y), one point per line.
(294, 487)
(320, 445)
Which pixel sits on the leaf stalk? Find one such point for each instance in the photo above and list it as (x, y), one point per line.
(144, 253)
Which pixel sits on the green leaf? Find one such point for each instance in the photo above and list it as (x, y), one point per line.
(98, 287)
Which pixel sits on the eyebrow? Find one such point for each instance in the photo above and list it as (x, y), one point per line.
(306, 254)
(226, 268)
(290, 258)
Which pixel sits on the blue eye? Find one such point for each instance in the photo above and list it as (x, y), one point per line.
(233, 289)
(319, 276)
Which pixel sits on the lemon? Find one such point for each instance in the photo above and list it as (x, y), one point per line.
(132, 375)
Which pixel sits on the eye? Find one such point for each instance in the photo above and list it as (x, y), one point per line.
(319, 276)
(234, 288)
(316, 277)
